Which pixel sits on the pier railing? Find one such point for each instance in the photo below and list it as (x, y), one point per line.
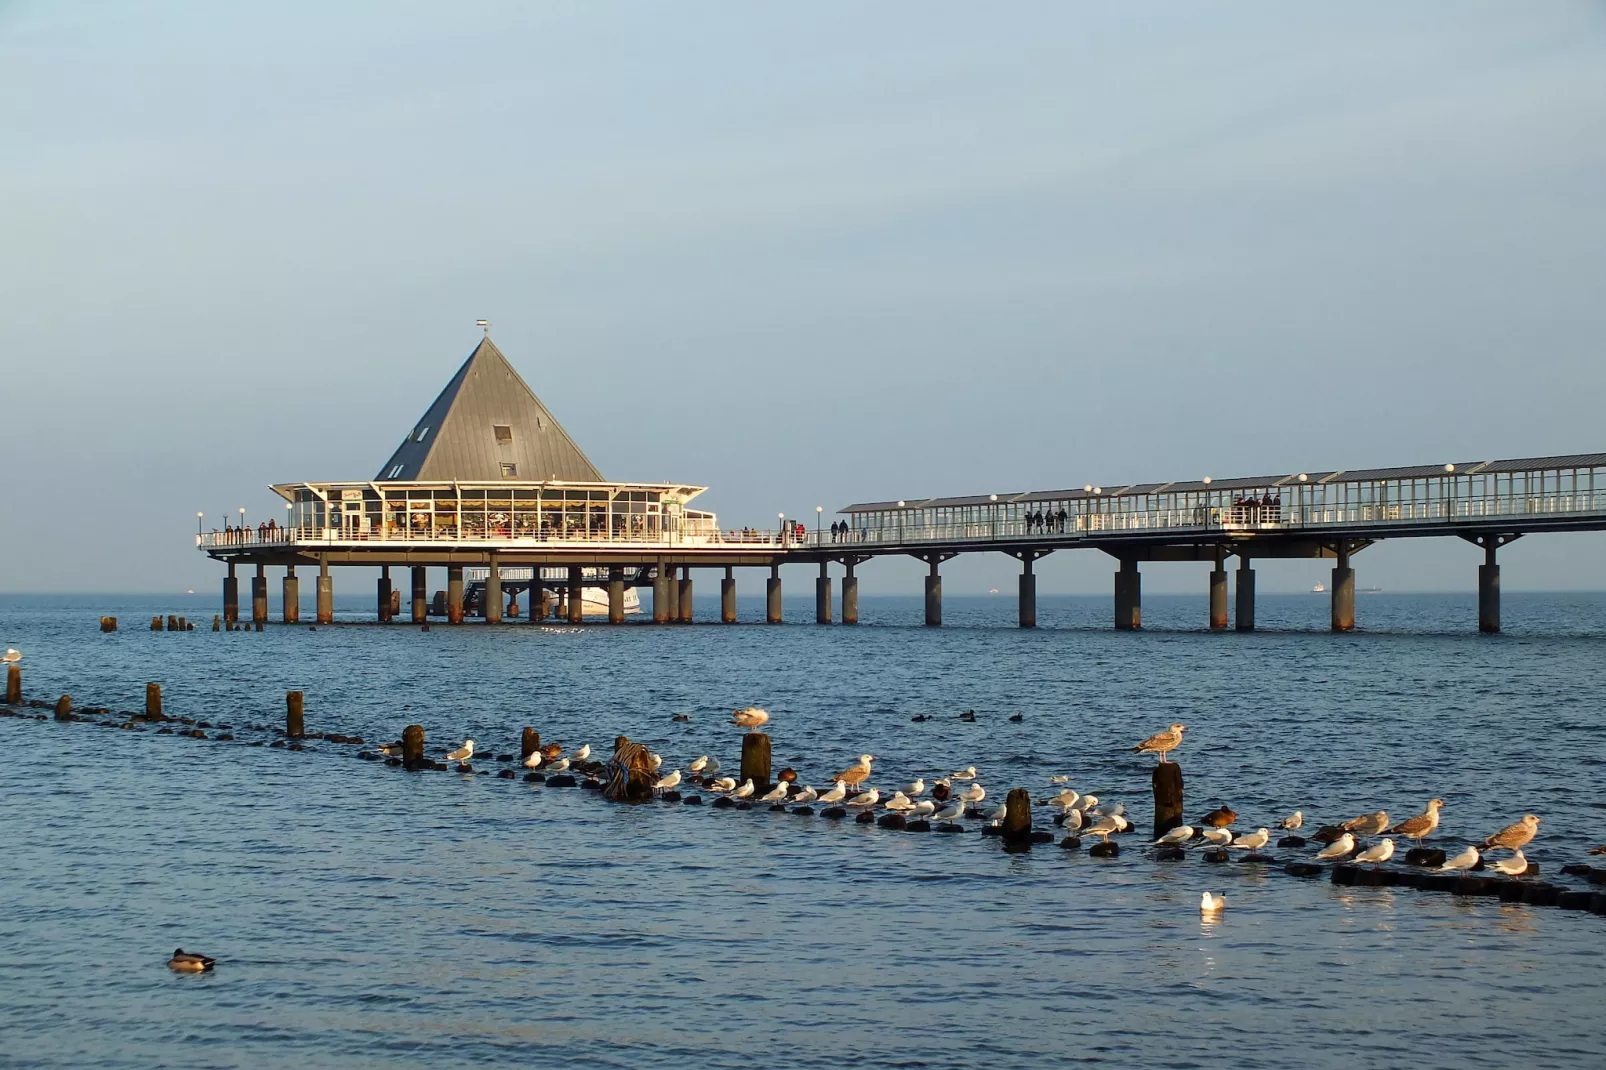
(323, 538)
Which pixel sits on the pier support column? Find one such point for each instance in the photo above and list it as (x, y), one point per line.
(1343, 592)
(420, 594)
(540, 599)
(384, 594)
(1028, 593)
(231, 596)
(850, 596)
(577, 595)
(290, 600)
(684, 601)
(1128, 596)
(727, 597)
(822, 595)
(1167, 780)
(1218, 593)
(1489, 593)
(326, 594)
(491, 607)
(616, 595)
(772, 596)
(660, 594)
(934, 596)
(1246, 595)
(259, 596)
(454, 594)
(672, 596)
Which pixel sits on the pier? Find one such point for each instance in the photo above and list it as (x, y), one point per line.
(488, 480)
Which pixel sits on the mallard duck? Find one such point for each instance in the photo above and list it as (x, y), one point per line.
(184, 962)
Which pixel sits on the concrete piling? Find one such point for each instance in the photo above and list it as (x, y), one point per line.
(672, 597)
(1128, 596)
(1489, 588)
(153, 702)
(454, 594)
(290, 599)
(326, 594)
(420, 592)
(756, 761)
(850, 596)
(577, 595)
(13, 685)
(616, 595)
(231, 597)
(294, 723)
(660, 594)
(1245, 600)
(685, 596)
(1343, 592)
(491, 599)
(772, 596)
(383, 594)
(413, 747)
(1218, 593)
(727, 597)
(1167, 780)
(822, 595)
(934, 595)
(1028, 593)
(259, 596)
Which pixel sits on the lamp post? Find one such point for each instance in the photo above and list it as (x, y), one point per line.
(780, 523)
(198, 518)
(819, 515)
(287, 507)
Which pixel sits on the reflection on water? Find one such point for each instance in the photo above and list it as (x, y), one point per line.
(368, 917)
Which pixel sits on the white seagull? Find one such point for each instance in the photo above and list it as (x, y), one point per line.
(745, 790)
(1294, 820)
(973, 794)
(1102, 827)
(1061, 779)
(952, 812)
(865, 800)
(559, 766)
(967, 773)
(1463, 861)
(996, 814)
(1211, 904)
(533, 760)
(807, 795)
(11, 656)
(1073, 820)
(665, 783)
(916, 788)
(1216, 837)
(463, 753)
(1338, 848)
(698, 764)
(923, 808)
(836, 794)
(899, 803)
(1252, 841)
(1065, 799)
(1515, 866)
(775, 794)
(1381, 851)
(752, 717)
(1179, 835)
(722, 785)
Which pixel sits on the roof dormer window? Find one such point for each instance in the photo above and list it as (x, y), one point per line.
(504, 434)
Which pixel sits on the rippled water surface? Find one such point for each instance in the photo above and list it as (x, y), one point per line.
(366, 916)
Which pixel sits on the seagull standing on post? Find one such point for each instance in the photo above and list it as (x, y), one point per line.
(1162, 743)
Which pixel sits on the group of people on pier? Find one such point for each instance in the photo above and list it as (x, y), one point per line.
(1249, 509)
(1046, 522)
(842, 532)
(267, 531)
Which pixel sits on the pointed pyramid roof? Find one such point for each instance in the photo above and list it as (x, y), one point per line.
(486, 419)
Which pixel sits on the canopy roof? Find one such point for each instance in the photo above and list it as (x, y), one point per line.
(488, 425)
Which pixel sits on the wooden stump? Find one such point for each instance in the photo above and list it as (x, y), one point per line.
(294, 725)
(156, 624)
(14, 685)
(217, 623)
(413, 747)
(64, 708)
(529, 743)
(1017, 827)
(153, 702)
(1167, 798)
(756, 761)
(108, 624)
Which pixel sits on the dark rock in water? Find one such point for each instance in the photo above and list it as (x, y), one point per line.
(392, 762)
(1042, 836)
(561, 780)
(358, 740)
(1303, 869)
(1345, 874)
(744, 805)
(973, 813)
(1424, 856)
(439, 767)
(1577, 869)
(1438, 882)
(1017, 718)
(835, 813)
(803, 811)
(1408, 878)
(1541, 895)
(777, 808)
(1291, 841)
(1215, 854)
(1597, 903)
(724, 802)
(169, 731)
(203, 724)
(464, 767)
(1072, 843)
(1059, 819)
(1327, 834)
(592, 785)
(865, 818)
(293, 746)
(1574, 900)
(1169, 854)
(992, 830)
(529, 778)
(891, 821)
(949, 828)
(506, 774)
(367, 756)
(1479, 886)
(226, 735)
(275, 743)
(1104, 849)
(681, 717)
(1260, 859)
(504, 757)
(919, 718)
(919, 824)
(692, 800)
(670, 796)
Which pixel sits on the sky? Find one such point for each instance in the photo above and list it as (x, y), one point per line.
(803, 254)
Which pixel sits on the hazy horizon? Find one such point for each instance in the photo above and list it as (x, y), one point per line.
(803, 256)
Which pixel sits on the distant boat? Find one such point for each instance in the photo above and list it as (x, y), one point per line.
(993, 590)
(1368, 590)
(1319, 588)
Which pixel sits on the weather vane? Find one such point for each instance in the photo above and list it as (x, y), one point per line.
(485, 325)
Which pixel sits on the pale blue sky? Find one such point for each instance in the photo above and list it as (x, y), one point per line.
(804, 254)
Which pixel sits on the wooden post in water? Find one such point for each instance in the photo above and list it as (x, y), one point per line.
(217, 623)
(413, 747)
(756, 761)
(153, 702)
(14, 685)
(294, 724)
(1167, 797)
(108, 624)
(529, 743)
(1017, 828)
(156, 624)
(64, 708)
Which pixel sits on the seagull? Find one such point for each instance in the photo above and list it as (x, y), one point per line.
(775, 794)
(744, 791)
(1338, 848)
(1368, 824)
(752, 717)
(559, 766)
(973, 794)
(996, 814)
(1252, 841)
(1086, 803)
(1162, 743)
(952, 812)
(857, 773)
(1102, 827)
(583, 753)
(1073, 820)
(967, 773)
(654, 761)
(185, 962)
(712, 767)
(1061, 779)
(915, 788)
(899, 803)
(1423, 824)
(1294, 821)
(1465, 860)
(1180, 834)
(1601, 850)
(1216, 837)
(11, 656)
(1515, 866)
(1121, 823)
(1112, 810)
(1065, 799)
(390, 750)
(836, 794)
(1211, 904)
(665, 783)
(463, 753)
(923, 808)
(698, 764)
(1514, 837)
(807, 795)
(1381, 851)
(533, 760)
(722, 785)
(865, 800)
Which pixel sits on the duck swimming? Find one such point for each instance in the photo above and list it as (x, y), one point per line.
(184, 962)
